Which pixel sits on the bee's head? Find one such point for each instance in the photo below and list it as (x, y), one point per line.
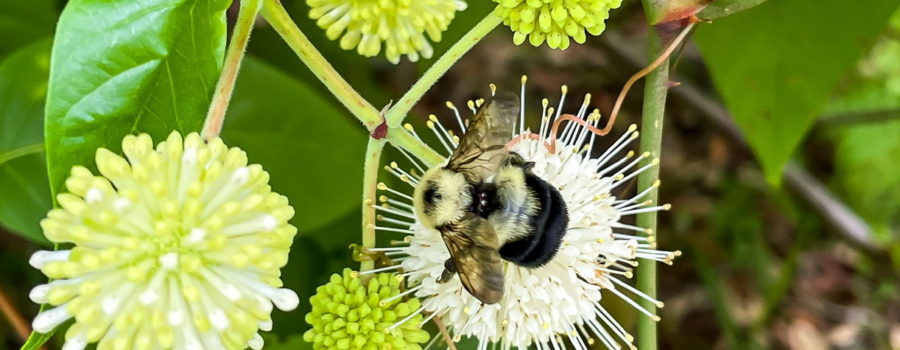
(442, 197)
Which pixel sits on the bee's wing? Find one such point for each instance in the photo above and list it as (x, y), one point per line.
(482, 148)
(474, 248)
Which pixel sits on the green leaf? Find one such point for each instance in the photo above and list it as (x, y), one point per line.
(876, 84)
(311, 150)
(25, 196)
(722, 8)
(127, 67)
(35, 340)
(776, 65)
(866, 167)
(24, 192)
(24, 22)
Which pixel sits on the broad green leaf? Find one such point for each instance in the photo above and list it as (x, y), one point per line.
(867, 171)
(25, 196)
(24, 192)
(776, 65)
(722, 8)
(361, 72)
(313, 153)
(127, 67)
(315, 255)
(24, 22)
(865, 156)
(876, 84)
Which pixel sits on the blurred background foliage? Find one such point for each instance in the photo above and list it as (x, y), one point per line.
(812, 83)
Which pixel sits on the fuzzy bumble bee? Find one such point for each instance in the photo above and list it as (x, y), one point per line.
(488, 205)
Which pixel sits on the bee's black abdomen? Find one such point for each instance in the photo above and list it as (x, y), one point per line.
(549, 227)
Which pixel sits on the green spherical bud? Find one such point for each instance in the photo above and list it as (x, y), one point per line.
(349, 314)
(554, 21)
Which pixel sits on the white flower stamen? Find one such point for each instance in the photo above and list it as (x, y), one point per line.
(558, 304)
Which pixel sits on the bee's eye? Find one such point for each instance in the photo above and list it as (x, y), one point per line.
(432, 196)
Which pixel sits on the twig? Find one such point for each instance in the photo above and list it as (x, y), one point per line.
(440, 67)
(15, 318)
(225, 86)
(281, 21)
(655, 90)
(833, 210)
(874, 116)
(816, 194)
(444, 333)
(370, 183)
(399, 137)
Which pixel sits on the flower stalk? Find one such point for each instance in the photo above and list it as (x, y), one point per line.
(440, 67)
(655, 89)
(233, 57)
(281, 21)
(401, 138)
(370, 184)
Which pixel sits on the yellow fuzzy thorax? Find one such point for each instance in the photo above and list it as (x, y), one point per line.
(454, 190)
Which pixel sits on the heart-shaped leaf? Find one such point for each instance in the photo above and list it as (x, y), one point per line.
(121, 67)
(24, 192)
(777, 64)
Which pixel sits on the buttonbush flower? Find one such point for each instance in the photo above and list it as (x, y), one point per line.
(398, 27)
(348, 313)
(175, 247)
(554, 20)
(557, 304)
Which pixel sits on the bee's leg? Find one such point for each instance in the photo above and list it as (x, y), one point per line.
(449, 271)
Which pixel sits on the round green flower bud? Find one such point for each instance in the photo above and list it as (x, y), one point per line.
(554, 21)
(346, 314)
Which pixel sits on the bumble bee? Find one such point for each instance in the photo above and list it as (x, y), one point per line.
(488, 205)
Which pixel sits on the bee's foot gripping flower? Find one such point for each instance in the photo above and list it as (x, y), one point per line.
(400, 26)
(350, 314)
(174, 247)
(554, 20)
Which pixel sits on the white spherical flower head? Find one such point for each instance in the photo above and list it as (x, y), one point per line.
(400, 26)
(177, 247)
(556, 304)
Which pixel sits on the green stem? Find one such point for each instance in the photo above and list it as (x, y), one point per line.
(440, 67)
(370, 184)
(233, 57)
(399, 137)
(21, 152)
(655, 90)
(280, 20)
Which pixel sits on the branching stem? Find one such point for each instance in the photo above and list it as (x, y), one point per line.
(370, 184)
(655, 90)
(281, 21)
(440, 67)
(233, 57)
